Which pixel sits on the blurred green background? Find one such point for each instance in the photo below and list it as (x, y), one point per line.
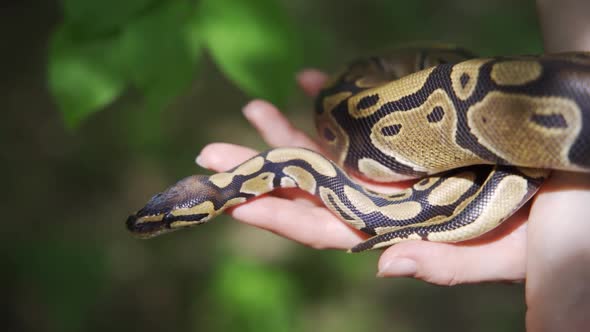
(108, 102)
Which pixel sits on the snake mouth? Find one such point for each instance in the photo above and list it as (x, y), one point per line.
(146, 228)
(152, 225)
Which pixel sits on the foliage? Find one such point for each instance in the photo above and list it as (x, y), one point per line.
(154, 46)
(69, 264)
(263, 300)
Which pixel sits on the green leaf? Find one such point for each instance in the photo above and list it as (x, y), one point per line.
(91, 17)
(156, 51)
(160, 51)
(83, 75)
(252, 297)
(254, 45)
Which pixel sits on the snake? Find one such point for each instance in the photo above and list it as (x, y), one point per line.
(478, 135)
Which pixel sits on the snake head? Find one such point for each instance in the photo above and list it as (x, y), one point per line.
(188, 202)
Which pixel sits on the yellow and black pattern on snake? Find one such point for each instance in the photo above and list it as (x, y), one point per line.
(437, 208)
(526, 111)
(483, 134)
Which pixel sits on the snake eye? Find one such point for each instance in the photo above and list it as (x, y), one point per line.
(168, 219)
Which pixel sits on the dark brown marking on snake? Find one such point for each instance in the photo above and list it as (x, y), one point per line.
(423, 182)
(549, 120)
(338, 209)
(170, 218)
(464, 79)
(423, 234)
(402, 194)
(436, 115)
(367, 102)
(391, 130)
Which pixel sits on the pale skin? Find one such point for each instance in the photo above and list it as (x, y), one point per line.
(545, 243)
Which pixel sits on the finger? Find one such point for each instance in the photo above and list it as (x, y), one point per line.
(274, 127)
(315, 227)
(447, 264)
(311, 81)
(221, 157)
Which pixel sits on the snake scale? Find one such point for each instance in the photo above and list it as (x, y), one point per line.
(482, 135)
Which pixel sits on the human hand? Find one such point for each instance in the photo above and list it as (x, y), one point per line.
(498, 255)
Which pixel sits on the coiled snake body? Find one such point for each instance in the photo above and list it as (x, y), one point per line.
(482, 133)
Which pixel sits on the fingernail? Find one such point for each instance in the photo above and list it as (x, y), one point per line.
(398, 267)
(199, 161)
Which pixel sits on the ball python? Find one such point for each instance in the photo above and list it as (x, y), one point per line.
(480, 134)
